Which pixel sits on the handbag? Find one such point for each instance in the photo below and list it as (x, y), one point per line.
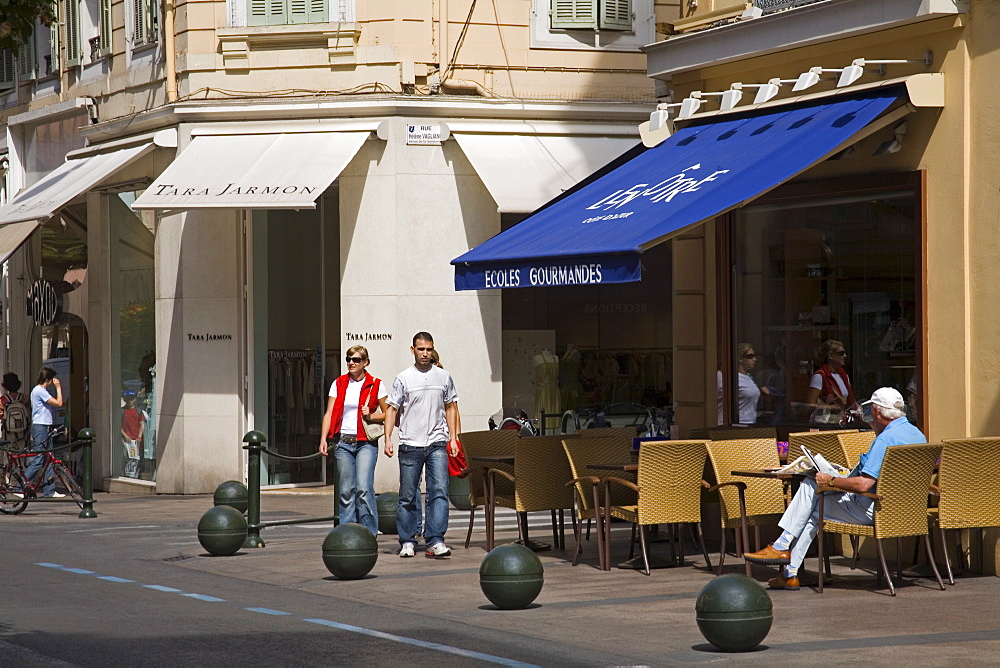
(458, 465)
(373, 430)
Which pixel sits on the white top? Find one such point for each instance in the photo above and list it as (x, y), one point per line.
(41, 411)
(352, 400)
(423, 396)
(816, 383)
(749, 394)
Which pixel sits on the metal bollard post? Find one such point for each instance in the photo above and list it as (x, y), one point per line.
(87, 436)
(254, 442)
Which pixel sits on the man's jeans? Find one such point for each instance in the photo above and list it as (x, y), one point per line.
(40, 441)
(356, 483)
(801, 518)
(433, 460)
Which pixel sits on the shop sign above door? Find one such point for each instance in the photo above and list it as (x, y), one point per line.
(44, 304)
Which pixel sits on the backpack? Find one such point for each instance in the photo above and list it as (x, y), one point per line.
(16, 419)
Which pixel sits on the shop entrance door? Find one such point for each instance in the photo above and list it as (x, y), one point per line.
(286, 306)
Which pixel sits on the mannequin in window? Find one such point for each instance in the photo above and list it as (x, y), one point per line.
(546, 383)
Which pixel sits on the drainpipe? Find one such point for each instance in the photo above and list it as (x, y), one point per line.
(170, 48)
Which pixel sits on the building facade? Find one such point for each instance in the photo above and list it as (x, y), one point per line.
(213, 200)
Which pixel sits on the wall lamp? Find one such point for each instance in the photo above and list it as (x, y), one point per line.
(661, 116)
(853, 72)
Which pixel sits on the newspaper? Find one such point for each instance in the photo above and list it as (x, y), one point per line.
(812, 462)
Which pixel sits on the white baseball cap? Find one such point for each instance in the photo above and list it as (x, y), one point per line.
(887, 397)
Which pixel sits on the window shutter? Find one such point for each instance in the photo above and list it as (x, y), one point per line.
(74, 51)
(268, 13)
(54, 56)
(317, 11)
(140, 22)
(26, 59)
(616, 15)
(574, 14)
(7, 72)
(104, 44)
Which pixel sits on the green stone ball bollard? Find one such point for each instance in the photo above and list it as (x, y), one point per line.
(350, 551)
(232, 493)
(458, 493)
(511, 576)
(734, 613)
(222, 531)
(386, 504)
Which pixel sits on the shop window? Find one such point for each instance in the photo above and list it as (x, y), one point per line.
(281, 12)
(134, 387)
(615, 25)
(824, 307)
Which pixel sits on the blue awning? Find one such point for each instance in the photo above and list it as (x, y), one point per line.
(595, 233)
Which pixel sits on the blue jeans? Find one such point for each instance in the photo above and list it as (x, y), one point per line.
(40, 440)
(356, 483)
(433, 461)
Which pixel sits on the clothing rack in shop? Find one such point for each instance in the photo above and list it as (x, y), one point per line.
(294, 388)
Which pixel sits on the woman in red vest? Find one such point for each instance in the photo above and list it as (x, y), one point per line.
(355, 398)
(830, 388)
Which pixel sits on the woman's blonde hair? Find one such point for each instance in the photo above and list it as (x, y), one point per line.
(824, 350)
(359, 350)
(742, 349)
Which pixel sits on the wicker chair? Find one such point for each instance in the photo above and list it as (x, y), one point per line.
(580, 454)
(745, 501)
(621, 433)
(854, 444)
(741, 433)
(486, 443)
(668, 492)
(822, 442)
(900, 505)
(967, 499)
(541, 472)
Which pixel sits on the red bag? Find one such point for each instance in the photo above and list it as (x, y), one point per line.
(458, 466)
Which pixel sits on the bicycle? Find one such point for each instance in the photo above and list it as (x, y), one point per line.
(15, 488)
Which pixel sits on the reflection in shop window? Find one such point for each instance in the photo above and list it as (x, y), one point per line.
(134, 392)
(824, 308)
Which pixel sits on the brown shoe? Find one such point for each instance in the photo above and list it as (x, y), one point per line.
(769, 556)
(781, 582)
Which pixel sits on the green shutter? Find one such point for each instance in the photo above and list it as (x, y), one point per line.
(616, 15)
(318, 11)
(71, 17)
(574, 14)
(306, 11)
(8, 73)
(281, 12)
(54, 55)
(267, 13)
(26, 69)
(105, 26)
(143, 22)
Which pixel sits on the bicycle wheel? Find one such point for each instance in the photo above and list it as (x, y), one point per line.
(66, 480)
(11, 483)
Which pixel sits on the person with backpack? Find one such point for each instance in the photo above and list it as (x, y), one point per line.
(15, 417)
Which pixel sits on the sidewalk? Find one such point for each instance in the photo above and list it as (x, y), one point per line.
(620, 612)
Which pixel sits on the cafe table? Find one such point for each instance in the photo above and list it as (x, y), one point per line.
(490, 493)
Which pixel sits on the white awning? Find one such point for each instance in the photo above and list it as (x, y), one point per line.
(523, 172)
(267, 171)
(41, 201)
(13, 235)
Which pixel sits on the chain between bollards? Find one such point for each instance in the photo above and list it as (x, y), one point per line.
(87, 436)
(255, 441)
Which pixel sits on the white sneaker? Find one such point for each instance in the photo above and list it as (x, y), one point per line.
(406, 550)
(438, 551)
(57, 495)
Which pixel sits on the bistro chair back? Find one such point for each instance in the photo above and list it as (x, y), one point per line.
(900, 504)
(486, 443)
(745, 502)
(854, 444)
(821, 442)
(618, 433)
(967, 497)
(668, 492)
(586, 482)
(741, 433)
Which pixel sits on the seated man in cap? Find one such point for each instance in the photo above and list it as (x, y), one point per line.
(801, 519)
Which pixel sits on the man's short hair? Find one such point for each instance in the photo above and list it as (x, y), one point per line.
(422, 336)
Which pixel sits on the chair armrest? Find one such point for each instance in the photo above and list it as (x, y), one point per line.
(625, 483)
(592, 479)
(491, 473)
(837, 490)
(934, 489)
(735, 483)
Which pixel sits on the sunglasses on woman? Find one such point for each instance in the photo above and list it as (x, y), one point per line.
(354, 360)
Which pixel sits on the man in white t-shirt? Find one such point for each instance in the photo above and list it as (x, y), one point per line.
(428, 433)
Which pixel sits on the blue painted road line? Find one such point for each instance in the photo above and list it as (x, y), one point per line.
(421, 643)
(267, 611)
(457, 651)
